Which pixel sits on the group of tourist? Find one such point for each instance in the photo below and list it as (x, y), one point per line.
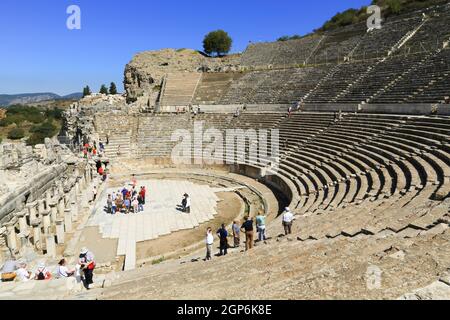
(18, 270)
(248, 229)
(91, 150)
(126, 200)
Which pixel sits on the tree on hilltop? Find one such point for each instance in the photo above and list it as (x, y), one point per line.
(86, 91)
(218, 42)
(104, 89)
(113, 88)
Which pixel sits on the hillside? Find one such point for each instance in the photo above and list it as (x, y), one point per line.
(28, 98)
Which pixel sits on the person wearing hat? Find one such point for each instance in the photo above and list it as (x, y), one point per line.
(288, 218)
(42, 272)
(87, 264)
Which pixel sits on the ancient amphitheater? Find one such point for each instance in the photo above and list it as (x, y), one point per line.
(364, 164)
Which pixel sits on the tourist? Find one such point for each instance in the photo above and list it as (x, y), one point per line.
(261, 226)
(63, 271)
(22, 273)
(119, 151)
(102, 147)
(222, 233)
(248, 228)
(289, 111)
(8, 272)
(447, 100)
(133, 181)
(209, 243)
(87, 265)
(124, 192)
(85, 153)
(119, 204)
(237, 113)
(140, 203)
(42, 273)
(109, 204)
(236, 234)
(288, 218)
(186, 203)
(94, 194)
(127, 205)
(135, 205)
(104, 176)
(143, 193)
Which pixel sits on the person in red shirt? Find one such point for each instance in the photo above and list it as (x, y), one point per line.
(142, 194)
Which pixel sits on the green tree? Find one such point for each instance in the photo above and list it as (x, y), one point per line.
(283, 38)
(16, 133)
(112, 88)
(395, 6)
(86, 91)
(218, 42)
(103, 89)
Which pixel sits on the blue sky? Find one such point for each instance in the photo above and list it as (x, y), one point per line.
(39, 54)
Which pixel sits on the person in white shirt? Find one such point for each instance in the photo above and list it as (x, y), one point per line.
(63, 270)
(288, 218)
(209, 243)
(22, 273)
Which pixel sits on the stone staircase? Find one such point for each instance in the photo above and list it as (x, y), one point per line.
(180, 88)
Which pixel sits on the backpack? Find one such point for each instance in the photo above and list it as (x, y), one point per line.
(41, 276)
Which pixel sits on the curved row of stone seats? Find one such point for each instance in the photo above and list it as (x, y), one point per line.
(278, 86)
(380, 77)
(337, 81)
(433, 33)
(396, 172)
(291, 52)
(420, 80)
(213, 86)
(336, 45)
(378, 42)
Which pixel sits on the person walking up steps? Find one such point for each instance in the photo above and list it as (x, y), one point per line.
(209, 243)
(87, 265)
(288, 218)
(222, 233)
(248, 228)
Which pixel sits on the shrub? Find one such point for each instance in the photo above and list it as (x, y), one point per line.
(16, 134)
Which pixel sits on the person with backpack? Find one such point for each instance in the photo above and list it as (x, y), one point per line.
(42, 273)
(248, 228)
(222, 233)
(87, 263)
